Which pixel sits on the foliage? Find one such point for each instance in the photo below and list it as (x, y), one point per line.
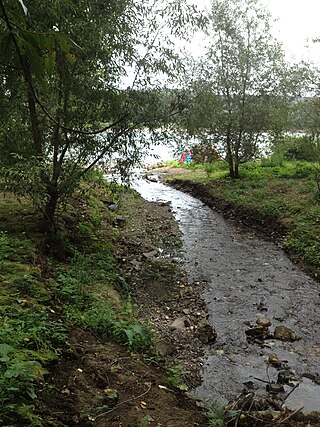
(63, 71)
(237, 92)
(174, 375)
(89, 276)
(295, 148)
(29, 337)
(37, 312)
(219, 416)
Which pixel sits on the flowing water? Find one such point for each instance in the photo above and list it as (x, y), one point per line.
(246, 278)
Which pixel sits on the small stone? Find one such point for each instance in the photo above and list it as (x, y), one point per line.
(179, 323)
(113, 207)
(274, 360)
(264, 322)
(206, 333)
(285, 376)
(275, 388)
(120, 220)
(151, 254)
(165, 348)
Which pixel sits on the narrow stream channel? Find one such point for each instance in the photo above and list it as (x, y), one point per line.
(246, 278)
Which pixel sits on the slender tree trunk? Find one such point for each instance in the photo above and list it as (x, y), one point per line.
(36, 134)
(236, 170)
(230, 155)
(48, 223)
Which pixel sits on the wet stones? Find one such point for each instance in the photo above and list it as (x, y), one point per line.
(285, 334)
(274, 360)
(263, 322)
(256, 334)
(260, 332)
(206, 333)
(274, 388)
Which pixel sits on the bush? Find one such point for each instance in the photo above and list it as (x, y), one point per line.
(296, 148)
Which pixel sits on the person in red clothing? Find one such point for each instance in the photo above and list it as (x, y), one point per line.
(186, 157)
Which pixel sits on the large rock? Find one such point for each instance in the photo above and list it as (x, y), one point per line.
(285, 334)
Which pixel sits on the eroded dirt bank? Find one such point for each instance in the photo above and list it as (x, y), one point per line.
(101, 383)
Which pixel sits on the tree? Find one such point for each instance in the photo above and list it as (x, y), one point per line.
(238, 92)
(62, 70)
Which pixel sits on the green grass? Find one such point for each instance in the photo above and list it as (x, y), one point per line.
(30, 337)
(273, 190)
(43, 296)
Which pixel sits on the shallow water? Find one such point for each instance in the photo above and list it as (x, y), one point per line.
(246, 278)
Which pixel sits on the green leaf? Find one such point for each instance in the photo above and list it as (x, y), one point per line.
(49, 62)
(5, 349)
(71, 58)
(130, 335)
(5, 41)
(36, 61)
(31, 393)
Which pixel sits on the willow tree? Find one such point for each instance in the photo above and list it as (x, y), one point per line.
(238, 90)
(63, 65)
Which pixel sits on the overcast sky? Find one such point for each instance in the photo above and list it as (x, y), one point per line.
(297, 20)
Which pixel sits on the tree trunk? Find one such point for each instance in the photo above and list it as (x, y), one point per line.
(36, 135)
(48, 223)
(230, 155)
(236, 170)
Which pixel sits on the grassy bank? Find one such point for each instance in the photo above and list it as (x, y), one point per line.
(49, 285)
(283, 196)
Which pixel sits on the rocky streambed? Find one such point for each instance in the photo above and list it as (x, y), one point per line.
(265, 310)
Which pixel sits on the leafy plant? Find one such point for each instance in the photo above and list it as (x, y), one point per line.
(219, 415)
(174, 374)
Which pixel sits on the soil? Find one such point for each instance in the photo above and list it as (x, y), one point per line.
(101, 383)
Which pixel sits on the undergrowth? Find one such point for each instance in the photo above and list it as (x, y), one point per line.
(43, 296)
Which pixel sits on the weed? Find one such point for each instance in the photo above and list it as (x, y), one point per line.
(79, 288)
(174, 375)
(147, 420)
(219, 415)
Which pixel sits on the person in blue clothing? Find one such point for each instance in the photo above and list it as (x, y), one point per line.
(186, 157)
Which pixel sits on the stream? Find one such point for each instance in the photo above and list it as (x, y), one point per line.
(246, 278)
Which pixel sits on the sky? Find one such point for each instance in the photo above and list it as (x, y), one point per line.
(297, 20)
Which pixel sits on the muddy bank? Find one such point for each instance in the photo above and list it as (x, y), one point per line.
(97, 382)
(247, 280)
